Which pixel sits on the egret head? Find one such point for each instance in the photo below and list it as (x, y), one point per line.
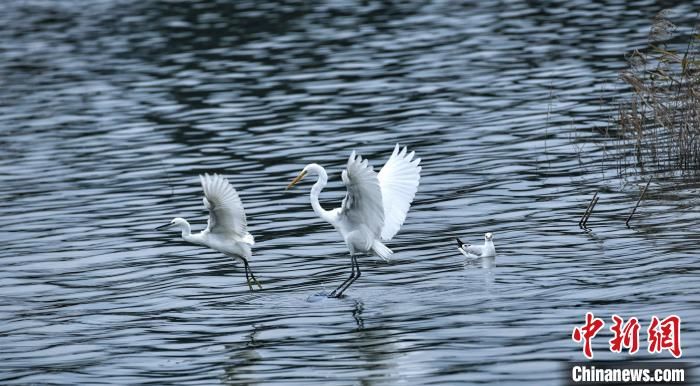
(308, 168)
(488, 236)
(177, 222)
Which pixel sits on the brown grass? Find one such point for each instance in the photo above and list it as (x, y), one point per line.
(660, 121)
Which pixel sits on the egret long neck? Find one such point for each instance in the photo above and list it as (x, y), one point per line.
(316, 192)
(187, 232)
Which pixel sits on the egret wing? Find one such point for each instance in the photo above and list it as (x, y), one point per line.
(362, 204)
(226, 214)
(398, 180)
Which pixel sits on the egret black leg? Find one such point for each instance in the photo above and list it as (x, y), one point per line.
(255, 280)
(250, 276)
(352, 275)
(247, 275)
(357, 276)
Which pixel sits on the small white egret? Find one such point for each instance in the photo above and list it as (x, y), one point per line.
(374, 207)
(226, 230)
(487, 250)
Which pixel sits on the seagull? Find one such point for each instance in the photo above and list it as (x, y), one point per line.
(374, 207)
(226, 230)
(487, 250)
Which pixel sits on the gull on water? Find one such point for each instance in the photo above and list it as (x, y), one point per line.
(226, 230)
(486, 250)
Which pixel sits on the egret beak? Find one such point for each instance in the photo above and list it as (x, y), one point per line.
(163, 227)
(297, 179)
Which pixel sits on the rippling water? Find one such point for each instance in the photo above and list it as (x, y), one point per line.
(110, 109)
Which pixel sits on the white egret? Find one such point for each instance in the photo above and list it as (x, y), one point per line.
(486, 250)
(226, 230)
(374, 207)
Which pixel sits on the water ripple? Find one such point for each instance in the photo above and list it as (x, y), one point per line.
(109, 110)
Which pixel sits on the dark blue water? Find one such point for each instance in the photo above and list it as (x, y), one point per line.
(110, 109)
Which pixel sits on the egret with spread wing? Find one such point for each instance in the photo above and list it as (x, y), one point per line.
(374, 208)
(226, 231)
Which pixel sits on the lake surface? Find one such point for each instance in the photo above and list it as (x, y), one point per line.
(110, 109)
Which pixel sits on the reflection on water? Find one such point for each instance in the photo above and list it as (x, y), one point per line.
(109, 110)
(243, 359)
(484, 262)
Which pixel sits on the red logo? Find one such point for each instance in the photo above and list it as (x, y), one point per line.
(665, 335)
(661, 335)
(587, 332)
(625, 335)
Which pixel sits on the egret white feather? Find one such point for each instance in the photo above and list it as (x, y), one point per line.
(398, 179)
(374, 207)
(362, 206)
(227, 228)
(226, 213)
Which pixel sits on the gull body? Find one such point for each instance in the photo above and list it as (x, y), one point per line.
(486, 250)
(374, 207)
(226, 229)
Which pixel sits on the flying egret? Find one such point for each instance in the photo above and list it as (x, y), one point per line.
(226, 230)
(374, 207)
(487, 250)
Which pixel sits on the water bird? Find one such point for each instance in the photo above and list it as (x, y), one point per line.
(374, 207)
(486, 250)
(226, 230)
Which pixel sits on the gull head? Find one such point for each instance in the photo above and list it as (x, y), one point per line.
(177, 222)
(488, 236)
